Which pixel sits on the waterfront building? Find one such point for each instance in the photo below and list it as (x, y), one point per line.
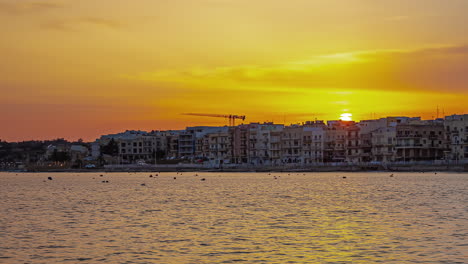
(383, 144)
(78, 152)
(240, 144)
(220, 148)
(291, 144)
(456, 128)
(256, 144)
(133, 146)
(260, 143)
(172, 144)
(95, 150)
(186, 144)
(313, 142)
(420, 141)
(335, 141)
(353, 146)
(275, 146)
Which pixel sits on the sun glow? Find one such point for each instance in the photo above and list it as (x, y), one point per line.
(346, 117)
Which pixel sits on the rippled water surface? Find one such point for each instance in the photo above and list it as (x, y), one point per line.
(234, 217)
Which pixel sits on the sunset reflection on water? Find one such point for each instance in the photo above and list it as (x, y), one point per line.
(231, 217)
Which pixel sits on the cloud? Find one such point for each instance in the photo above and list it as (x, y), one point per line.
(23, 7)
(397, 18)
(111, 23)
(62, 24)
(75, 24)
(431, 69)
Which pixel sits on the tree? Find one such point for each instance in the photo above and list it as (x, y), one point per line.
(60, 156)
(101, 161)
(78, 164)
(112, 148)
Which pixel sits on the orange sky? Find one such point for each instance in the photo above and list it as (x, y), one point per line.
(79, 69)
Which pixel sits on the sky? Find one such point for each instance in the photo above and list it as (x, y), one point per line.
(79, 69)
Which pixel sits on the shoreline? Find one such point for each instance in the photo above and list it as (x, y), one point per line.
(242, 169)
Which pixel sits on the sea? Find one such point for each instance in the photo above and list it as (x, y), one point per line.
(193, 217)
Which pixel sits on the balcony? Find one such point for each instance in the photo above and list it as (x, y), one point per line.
(409, 146)
(408, 136)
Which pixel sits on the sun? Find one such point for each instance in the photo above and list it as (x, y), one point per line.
(346, 117)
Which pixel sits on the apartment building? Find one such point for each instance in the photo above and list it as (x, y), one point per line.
(260, 143)
(456, 129)
(240, 144)
(420, 141)
(335, 141)
(313, 142)
(353, 146)
(291, 144)
(383, 144)
(133, 146)
(220, 148)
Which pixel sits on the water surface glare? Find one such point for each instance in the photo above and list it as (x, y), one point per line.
(234, 217)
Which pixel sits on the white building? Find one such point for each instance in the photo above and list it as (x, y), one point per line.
(264, 143)
(383, 144)
(133, 146)
(456, 127)
(313, 145)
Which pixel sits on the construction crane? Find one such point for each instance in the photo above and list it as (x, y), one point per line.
(232, 118)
